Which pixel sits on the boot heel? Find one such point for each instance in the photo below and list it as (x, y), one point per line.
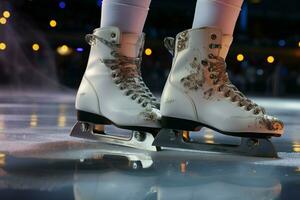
(180, 124)
(92, 118)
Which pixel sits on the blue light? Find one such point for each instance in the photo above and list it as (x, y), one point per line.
(99, 3)
(79, 49)
(62, 4)
(281, 43)
(244, 17)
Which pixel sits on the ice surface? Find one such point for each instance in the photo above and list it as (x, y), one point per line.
(39, 160)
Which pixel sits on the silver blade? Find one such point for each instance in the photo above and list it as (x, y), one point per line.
(139, 140)
(259, 147)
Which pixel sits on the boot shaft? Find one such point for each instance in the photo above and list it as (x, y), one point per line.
(107, 43)
(192, 48)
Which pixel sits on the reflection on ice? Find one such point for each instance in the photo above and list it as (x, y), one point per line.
(2, 159)
(61, 119)
(176, 180)
(296, 146)
(33, 120)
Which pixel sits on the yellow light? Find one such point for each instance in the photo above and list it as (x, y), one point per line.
(296, 147)
(2, 124)
(3, 20)
(240, 57)
(61, 120)
(64, 50)
(35, 47)
(2, 46)
(298, 44)
(33, 120)
(2, 160)
(148, 52)
(6, 14)
(53, 23)
(270, 59)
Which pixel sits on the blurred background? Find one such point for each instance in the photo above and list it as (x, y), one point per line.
(42, 44)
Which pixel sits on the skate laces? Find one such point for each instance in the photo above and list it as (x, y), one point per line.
(218, 74)
(126, 73)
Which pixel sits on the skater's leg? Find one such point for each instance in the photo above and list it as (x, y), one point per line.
(217, 13)
(129, 16)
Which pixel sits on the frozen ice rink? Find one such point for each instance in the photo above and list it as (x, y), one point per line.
(39, 160)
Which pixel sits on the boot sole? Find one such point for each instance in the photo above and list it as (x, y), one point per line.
(84, 116)
(189, 125)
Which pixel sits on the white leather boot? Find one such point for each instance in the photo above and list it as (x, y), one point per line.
(112, 90)
(198, 92)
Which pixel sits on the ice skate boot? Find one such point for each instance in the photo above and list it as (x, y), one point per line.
(113, 92)
(199, 93)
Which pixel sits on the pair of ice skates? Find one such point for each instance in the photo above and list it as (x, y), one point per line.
(198, 93)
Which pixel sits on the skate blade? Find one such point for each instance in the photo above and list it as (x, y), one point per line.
(256, 147)
(138, 140)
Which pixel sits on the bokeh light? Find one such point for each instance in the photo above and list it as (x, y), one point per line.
(270, 59)
(64, 50)
(282, 43)
(6, 14)
(2, 46)
(53, 23)
(148, 52)
(62, 4)
(240, 57)
(35, 47)
(3, 20)
(99, 3)
(79, 49)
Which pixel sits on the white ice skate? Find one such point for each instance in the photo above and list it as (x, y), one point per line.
(113, 92)
(198, 93)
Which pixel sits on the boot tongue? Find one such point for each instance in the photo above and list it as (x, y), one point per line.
(130, 44)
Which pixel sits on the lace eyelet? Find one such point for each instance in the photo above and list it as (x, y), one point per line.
(140, 101)
(113, 67)
(248, 108)
(211, 46)
(213, 36)
(211, 56)
(204, 62)
(144, 104)
(256, 112)
(211, 76)
(114, 75)
(240, 105)
(133, 97)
